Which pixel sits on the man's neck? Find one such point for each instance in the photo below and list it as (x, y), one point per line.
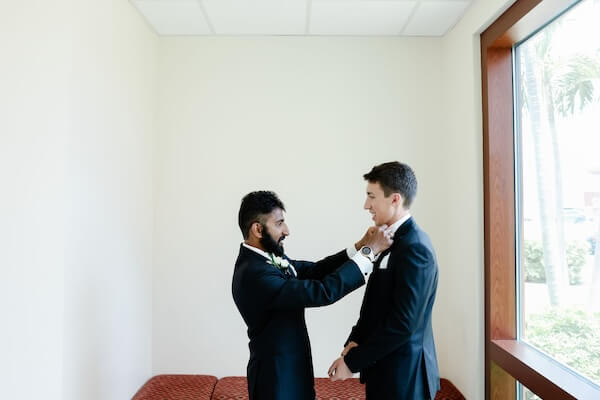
(255, 244)
(397, 217)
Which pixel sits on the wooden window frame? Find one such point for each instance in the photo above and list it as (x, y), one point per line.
(508, 360)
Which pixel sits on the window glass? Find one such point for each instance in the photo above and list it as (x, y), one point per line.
(557, 82)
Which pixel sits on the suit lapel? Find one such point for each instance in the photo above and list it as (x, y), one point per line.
(256, 258)
(402, 230)
(381, 257)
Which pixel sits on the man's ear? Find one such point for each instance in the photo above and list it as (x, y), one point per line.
(256, 229)
(398, 199)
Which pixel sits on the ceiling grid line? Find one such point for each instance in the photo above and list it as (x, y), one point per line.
(206, 17)
(410, 17)
(308, 16)
(386, 18)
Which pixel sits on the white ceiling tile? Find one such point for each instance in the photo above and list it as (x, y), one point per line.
(257, 17)
(174, 17)
(356, 17)
(435, 18)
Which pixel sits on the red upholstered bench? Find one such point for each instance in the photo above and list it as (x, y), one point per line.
(236, 388)
(231, 388)
(177, 387)
(448, 391)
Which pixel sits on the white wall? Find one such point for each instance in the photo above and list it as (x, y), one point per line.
(33, 132)
(305, 117)
(459, 315)
(108, 270)
(302, 116)
(77, 108)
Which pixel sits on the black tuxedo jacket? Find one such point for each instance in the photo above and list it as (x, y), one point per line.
(396, 353)
(272, 304)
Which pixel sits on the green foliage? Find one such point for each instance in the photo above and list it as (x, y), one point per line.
(576, 84)
(570, 336)
(576, 253)
(533, 257)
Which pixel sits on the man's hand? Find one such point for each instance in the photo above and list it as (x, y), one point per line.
(339, 371)
(348, 347)
(381, 239)
(368, 235)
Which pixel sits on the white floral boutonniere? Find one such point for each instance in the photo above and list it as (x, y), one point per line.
(279, 262)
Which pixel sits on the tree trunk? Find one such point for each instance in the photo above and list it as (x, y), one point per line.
(595, 287)
(545, 173)
(562, 267)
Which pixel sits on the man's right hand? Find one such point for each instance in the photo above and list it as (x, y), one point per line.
(380, 240)
(368, 234)
(349, 346)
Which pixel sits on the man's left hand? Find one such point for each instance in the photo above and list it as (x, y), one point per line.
(339, 371)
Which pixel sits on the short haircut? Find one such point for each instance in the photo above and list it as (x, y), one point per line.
(255, 206)
(395, 177)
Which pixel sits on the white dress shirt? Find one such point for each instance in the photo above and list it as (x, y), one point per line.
(363, 263)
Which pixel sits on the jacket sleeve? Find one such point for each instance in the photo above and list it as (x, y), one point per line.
(319, 269)
(414, 281)
(357, 332)
(281, 293)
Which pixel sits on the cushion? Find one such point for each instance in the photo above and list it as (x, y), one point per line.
(236, 388)
(177, 387)
(231, 388)
(205, 387)
(448, 391)
(350, 389)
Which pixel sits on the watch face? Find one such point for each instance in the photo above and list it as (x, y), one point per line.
(366, 250)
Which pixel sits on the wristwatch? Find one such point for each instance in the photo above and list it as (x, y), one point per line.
(367, 252)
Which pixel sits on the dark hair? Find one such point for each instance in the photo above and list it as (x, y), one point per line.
(255, 205)
(395, 177)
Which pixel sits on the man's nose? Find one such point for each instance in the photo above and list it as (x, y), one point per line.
(366, 206)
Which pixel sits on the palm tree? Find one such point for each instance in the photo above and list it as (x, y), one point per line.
(594, 303)
(547, 86)
(576, 89)
(535, 88)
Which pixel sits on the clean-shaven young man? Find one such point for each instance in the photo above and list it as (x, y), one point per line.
(392, 343)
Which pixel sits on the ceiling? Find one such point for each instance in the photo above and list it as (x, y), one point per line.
(302, 17)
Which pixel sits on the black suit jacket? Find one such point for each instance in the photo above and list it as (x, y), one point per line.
(272, 304)
(396, 353)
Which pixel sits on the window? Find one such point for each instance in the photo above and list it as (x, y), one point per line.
(557, 98)
(541, 188)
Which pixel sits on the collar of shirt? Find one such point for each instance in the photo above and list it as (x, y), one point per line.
(397, 224)
(351, 251)
(267, 256)
(257, 251)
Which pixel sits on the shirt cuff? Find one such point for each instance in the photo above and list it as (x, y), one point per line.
(351, 251)
(365, 265)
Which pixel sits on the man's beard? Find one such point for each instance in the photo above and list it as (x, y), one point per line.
(269, 244)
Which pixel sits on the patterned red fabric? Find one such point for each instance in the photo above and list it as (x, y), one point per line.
(201, 387)
(231, 388)
(350, 389)
(177, 387)
(448, 391)
(236, 388)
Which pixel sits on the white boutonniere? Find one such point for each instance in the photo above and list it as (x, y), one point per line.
(279, 262)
